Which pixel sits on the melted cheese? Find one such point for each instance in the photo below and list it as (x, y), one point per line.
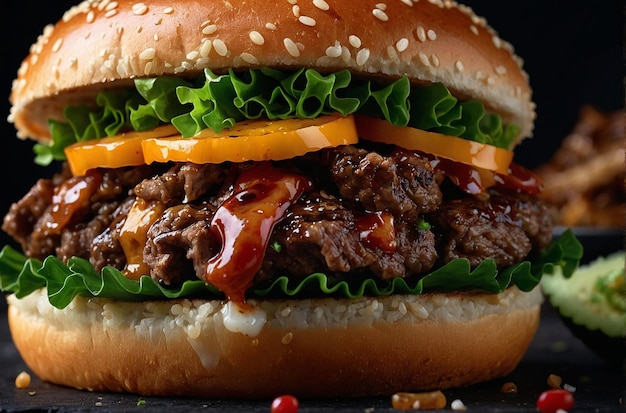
(134, 234)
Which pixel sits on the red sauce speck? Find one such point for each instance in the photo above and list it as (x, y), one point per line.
(376, 231)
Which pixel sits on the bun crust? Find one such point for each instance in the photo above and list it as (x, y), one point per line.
(316, 348)
(100, 44)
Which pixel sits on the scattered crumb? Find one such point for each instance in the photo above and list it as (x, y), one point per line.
(458, 405)
(554, 381)
(508, 387)
(22, 380)
(569, 388)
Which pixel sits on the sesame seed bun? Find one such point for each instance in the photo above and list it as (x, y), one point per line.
(100, 45)
(182, 347)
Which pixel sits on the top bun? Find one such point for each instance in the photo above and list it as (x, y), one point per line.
(104, 44)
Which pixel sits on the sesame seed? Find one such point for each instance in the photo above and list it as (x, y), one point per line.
(424, 59)
(168, 10)
(91, 16)
(362, 56)
(220, 47)
(270, 26)
(431, 34)
(402, 44)
(147, 68)
(496, 41)
(381, 6)
(256, 37)
(249, 58)
(501, 70)
(57, 45)
(321, 4)
(291, 47)
(408, 2)
(334, 51)
(345, 54)
(295, 9)
(209, 29)
(380, 15)
(459, 65)
(193, 55)
(421, 34)
(110, 6)
(286, 339)
(392, 53)
(355, 41)
(147, 54)
(474, 29)
(477, 20)
(307, 21)
(435, 60)
(402, 308)
(156, 37)
(139, 8)
(508, 47)
(205, 47)
(110, 13)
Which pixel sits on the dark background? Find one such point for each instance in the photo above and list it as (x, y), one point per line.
(573, 53)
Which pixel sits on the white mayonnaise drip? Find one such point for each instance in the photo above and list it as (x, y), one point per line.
(248, 320)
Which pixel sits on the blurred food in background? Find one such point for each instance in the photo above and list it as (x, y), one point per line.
(584, 179)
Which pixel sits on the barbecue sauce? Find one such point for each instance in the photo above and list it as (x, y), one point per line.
(376, 231)
(70, 198)
(244, 223)
(476, 181)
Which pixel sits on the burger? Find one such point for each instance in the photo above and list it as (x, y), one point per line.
(316, 198)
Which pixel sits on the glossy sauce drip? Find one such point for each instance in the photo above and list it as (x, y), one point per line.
(376, 231)
(476, 181)
(467, 178)
(244, 223)
(520, 179)
(69, 198)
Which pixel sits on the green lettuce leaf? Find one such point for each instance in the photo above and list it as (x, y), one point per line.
(219, 101)
(22, 276)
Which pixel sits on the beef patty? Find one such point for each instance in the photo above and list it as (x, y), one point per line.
(377, 213)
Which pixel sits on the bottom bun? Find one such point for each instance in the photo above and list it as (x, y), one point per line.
(308, 348)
